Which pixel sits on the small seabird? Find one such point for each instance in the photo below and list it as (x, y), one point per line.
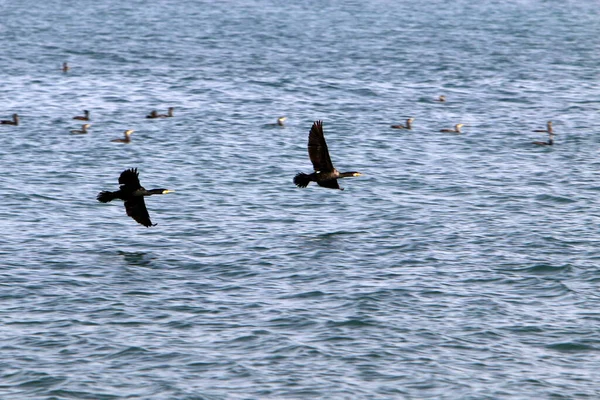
(65, 67)
(407, 126)
(14, 121)
(155, 114)
(83, 129)
(441, 99)
(126, 139)
(455, 130)
(169, 113)
(548, 128)
(550, 141)
(84, 117)
(281, 121)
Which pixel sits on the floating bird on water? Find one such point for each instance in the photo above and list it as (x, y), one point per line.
(455, 130)
(407, 126)
(65, 67)
(548, 128)
(441, 99)
(281, 121)
(126, 139)
(550, 141)
(155, 114)
(325, 174)
(84, 117)
(14, 121)
(550, 133)
(133, 194)
(84, 129)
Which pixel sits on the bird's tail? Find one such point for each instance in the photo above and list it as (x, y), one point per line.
(106, 196)
(302, 180)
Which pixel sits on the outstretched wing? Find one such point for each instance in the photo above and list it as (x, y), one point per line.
(130, 178)
(331, 184)
(136, 209)
(317, 149)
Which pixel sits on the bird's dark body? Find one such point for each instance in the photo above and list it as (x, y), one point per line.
(325, 174)
(133, 194)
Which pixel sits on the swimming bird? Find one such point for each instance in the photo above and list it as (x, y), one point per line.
(550, 141)
(65, 67)
(155, 114)
(84, 117)
(455, 130)
(325, 174)
(548, 128)
(441, 99)
(126, 139)
(84, 129)
(14, 121)
(281, 121)
(133, 194)
(169, 113)
(407, 126)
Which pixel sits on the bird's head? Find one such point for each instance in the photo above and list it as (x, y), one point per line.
(129, 132)
(165, 191)
(356, 174)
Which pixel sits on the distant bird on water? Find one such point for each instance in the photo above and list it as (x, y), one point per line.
(441, 99)
(407, 126)
(155, 114)
(83, 129)
(13, 121)
(84, 117)
(550, 133)
(325, 174)
(65, 67)
(133, 194)
(455, 130)
(126, 139)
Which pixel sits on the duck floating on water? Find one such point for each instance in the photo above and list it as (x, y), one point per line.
(408, 125)
(13, 121)
(455, 130)
(84, 129)
(127, 137)
(84, 117)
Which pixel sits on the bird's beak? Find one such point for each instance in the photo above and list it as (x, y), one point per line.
(168, 191)
(357, 174)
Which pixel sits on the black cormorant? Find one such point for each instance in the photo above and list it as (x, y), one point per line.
(126, 139)
(155, 114)
(83, 129)
(325, 174)
(169, 113)
(407, 126)
(13, 121)
(133, 194)
(84, 117)
(455, 130)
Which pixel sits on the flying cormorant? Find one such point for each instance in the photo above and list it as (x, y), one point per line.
(126, 139)
(407, 126)
(133, 194)
(84, 117)
(325, 174)
(14, 121)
